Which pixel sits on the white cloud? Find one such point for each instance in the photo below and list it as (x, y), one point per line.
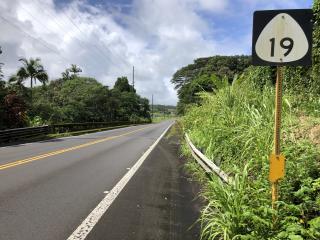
(275, 4)
(214, 5)
(157, 37)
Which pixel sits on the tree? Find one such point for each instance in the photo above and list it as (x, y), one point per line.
(1, 64)
(66, 75)
(221, 66)
(16, 80)
(74, 69)
(15, 111)
(206, 74)
(31, 69)
(1, 73)
(122, 84)
(316, 45)
(83, 99)
(144, 108)
(3, 93)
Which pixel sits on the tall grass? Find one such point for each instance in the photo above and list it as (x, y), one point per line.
(235, 128)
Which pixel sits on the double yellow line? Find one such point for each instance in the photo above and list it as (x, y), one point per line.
(49, 154)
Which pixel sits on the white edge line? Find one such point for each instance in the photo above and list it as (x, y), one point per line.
(87, 225)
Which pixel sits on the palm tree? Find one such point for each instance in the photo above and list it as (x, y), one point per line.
(75, 70)
(15, 79)
(66, 74)
(1, 73)
(31, 69)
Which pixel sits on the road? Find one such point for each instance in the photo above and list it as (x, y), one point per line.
(48, 188)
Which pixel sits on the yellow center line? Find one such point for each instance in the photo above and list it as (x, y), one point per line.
(49, 154)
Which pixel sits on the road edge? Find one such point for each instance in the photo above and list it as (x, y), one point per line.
(88, 224)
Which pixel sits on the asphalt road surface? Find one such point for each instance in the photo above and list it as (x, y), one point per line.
(48, 188)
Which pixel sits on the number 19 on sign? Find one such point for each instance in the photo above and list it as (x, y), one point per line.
(285, 43)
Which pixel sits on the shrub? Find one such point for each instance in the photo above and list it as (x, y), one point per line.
(235, 128)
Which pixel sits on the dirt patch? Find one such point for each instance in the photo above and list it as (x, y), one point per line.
(307, 128)
(314, 135)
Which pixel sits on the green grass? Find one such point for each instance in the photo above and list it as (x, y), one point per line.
(160, 119)
(235, 128)
(76, 133)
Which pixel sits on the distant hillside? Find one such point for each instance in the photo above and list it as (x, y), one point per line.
(160, 107)
(164, 110)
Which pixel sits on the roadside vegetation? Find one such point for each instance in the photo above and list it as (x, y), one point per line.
(232, 123)
(162, 112)
(69, 99)
(205, 75)
(235, 128)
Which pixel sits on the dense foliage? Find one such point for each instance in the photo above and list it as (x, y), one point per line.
(316, 42)
(84, 100)
(69, 99)
(204, 75)
(234, 127)
(164, 109)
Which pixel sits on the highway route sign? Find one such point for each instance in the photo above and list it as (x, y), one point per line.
(282, 37)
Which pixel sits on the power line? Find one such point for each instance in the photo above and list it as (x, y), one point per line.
(49, 30)
(96, 46)
(42, 42)
(109, 50)
(27, 11)
(59, 25)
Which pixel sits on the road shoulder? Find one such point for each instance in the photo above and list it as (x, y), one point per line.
(159, 202)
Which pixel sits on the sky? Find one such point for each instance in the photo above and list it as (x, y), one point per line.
(107, 37)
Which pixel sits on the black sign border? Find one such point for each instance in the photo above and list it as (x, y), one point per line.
(262, 17)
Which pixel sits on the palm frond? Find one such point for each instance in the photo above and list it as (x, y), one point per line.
(22, 73)
(24, 60)
(14, 79)
(42, 77)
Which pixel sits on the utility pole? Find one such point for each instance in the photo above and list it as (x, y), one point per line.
(133, 76)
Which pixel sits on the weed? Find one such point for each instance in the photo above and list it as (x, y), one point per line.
(235, 125)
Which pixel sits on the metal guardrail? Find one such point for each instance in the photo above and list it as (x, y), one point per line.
(15, 134)
(71, 127)
(205, 162)
(20, 133)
